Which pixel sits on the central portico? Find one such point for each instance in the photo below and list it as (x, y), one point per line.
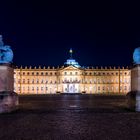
(71, 75)
(71, 79)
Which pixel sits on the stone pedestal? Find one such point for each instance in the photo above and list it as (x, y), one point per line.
(8, 98)
(133, 97)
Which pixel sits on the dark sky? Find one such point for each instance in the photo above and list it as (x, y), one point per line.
(101, 33)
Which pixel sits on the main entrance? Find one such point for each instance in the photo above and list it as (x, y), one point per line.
(71, 88)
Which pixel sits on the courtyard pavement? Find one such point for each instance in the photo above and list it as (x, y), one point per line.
(71, 117)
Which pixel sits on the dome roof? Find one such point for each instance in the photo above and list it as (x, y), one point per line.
(71, 61)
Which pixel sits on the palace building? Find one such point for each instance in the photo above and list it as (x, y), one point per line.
(72, 78)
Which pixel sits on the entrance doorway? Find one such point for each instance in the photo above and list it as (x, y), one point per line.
(71, 88)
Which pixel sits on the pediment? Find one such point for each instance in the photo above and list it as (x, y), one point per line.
(70, 68)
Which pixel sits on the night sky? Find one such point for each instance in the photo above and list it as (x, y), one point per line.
(101, 33)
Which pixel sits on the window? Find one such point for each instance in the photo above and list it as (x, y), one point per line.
(23, 73)
(70, 73)
(37, 73)
(65, 73)
(42, 73)
(28, 73)
(32, 73)
(76, 73)
(125, 88)
(28, 81)
(51, 73)
(32, 88)
(41, 88)
(46, 73)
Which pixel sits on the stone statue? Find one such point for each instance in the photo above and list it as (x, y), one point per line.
(6, 53)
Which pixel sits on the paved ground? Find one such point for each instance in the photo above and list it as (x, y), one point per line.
(71, 117)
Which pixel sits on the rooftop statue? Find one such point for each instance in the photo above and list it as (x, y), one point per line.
(6, 53)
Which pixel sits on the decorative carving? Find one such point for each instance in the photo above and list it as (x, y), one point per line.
(6, 53)
(136, 56)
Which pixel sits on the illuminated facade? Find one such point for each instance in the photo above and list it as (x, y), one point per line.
(72, 78)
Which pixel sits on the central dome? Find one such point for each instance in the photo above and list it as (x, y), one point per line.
(71, 61)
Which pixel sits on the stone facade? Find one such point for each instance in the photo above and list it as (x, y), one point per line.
(71, 79)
